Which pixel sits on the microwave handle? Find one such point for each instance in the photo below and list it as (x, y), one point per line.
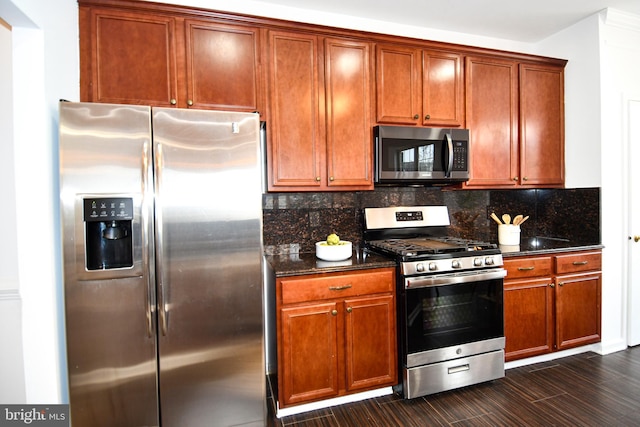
(449, 168)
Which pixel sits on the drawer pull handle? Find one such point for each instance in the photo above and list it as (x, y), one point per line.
(457, 369)
(526, 268)
(580, 262)
(339, 288)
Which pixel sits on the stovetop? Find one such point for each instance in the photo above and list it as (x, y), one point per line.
(416, 236)
(429, 245)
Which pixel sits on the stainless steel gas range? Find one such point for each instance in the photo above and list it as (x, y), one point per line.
(450, 299)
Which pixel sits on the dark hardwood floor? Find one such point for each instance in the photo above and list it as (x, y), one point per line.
(582, 390)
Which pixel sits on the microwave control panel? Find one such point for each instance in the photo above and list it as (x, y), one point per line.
(460, 153)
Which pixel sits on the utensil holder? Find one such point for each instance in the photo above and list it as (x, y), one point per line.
(508, 234)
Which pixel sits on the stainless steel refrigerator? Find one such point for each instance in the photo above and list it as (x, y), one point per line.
(162, 244)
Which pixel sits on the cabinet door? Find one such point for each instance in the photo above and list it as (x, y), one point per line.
(528, 317)
(492, 115)
(442, 89)
(221, 66)
(542, 125)
(371, 353)
(398, 91)
(308, 353)
(130, 58)
(348, 107)
(578, 310)
(296, 131)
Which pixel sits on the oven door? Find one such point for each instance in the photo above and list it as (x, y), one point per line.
(454, 315)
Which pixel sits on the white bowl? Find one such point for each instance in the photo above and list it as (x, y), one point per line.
(337, 252)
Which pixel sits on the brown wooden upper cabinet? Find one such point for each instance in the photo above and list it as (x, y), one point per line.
(320, 135)
(515, 112)
(419, 87)
(321, 90)
(541, 125)
(134, 57)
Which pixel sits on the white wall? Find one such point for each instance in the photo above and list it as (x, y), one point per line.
(258, 8)
(11, 356)
(44, 58)
(620, 68)
(579, 45)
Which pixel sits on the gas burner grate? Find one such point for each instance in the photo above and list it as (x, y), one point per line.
(429, 245)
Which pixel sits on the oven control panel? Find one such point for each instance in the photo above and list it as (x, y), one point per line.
(449, 265)
(409, 216)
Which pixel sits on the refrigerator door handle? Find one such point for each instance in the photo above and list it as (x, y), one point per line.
(148, 269)
(159, 241)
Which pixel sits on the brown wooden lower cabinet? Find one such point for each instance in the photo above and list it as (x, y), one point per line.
(551, 303)
(578, 310)
(336, 334)
(528, 318)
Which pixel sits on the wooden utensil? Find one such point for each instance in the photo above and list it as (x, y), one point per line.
(524, 219)
(517, 220)
(495, 218)
(506, 218)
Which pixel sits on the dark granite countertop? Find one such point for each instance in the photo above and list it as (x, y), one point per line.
(295, 264)
(545, 245)
(306, 263)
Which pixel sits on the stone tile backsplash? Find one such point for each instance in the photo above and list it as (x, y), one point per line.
(293, 222)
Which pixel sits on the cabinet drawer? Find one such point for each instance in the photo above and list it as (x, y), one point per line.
(528, 267)
(331, 286)
(581, 261)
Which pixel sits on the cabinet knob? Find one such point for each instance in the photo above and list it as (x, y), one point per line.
(173, 101)
(334, 312)
(427, 117)
(551, 285)
(330, 178)
(317, 179)
(561, 284)
(416, 117)
(349, 309)
(189, 103)
(525, 178)
(515, 178)
(635, 239)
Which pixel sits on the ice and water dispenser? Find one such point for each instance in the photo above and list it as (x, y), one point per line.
(108, 237)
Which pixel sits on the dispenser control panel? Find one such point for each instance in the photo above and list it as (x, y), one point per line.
(108, 209)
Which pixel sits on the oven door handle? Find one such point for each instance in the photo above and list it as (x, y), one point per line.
(455, 278)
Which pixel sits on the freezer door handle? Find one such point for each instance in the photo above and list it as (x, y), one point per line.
(146, 237)
(159, 242)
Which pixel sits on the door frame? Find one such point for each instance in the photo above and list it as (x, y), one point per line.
(629, 274)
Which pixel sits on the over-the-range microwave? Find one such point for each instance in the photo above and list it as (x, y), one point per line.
(420, 156)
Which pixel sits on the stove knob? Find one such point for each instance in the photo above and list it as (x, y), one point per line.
(420, 267)
(488, 260)
(455, 263)
(477, 262)
(433, 266)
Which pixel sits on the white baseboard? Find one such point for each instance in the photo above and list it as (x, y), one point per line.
(613, 346)
(12, 390)
(299, 409)
(610, 347)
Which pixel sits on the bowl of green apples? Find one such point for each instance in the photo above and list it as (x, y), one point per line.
(333, 249)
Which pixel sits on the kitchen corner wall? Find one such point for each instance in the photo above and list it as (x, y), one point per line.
(293, 222)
